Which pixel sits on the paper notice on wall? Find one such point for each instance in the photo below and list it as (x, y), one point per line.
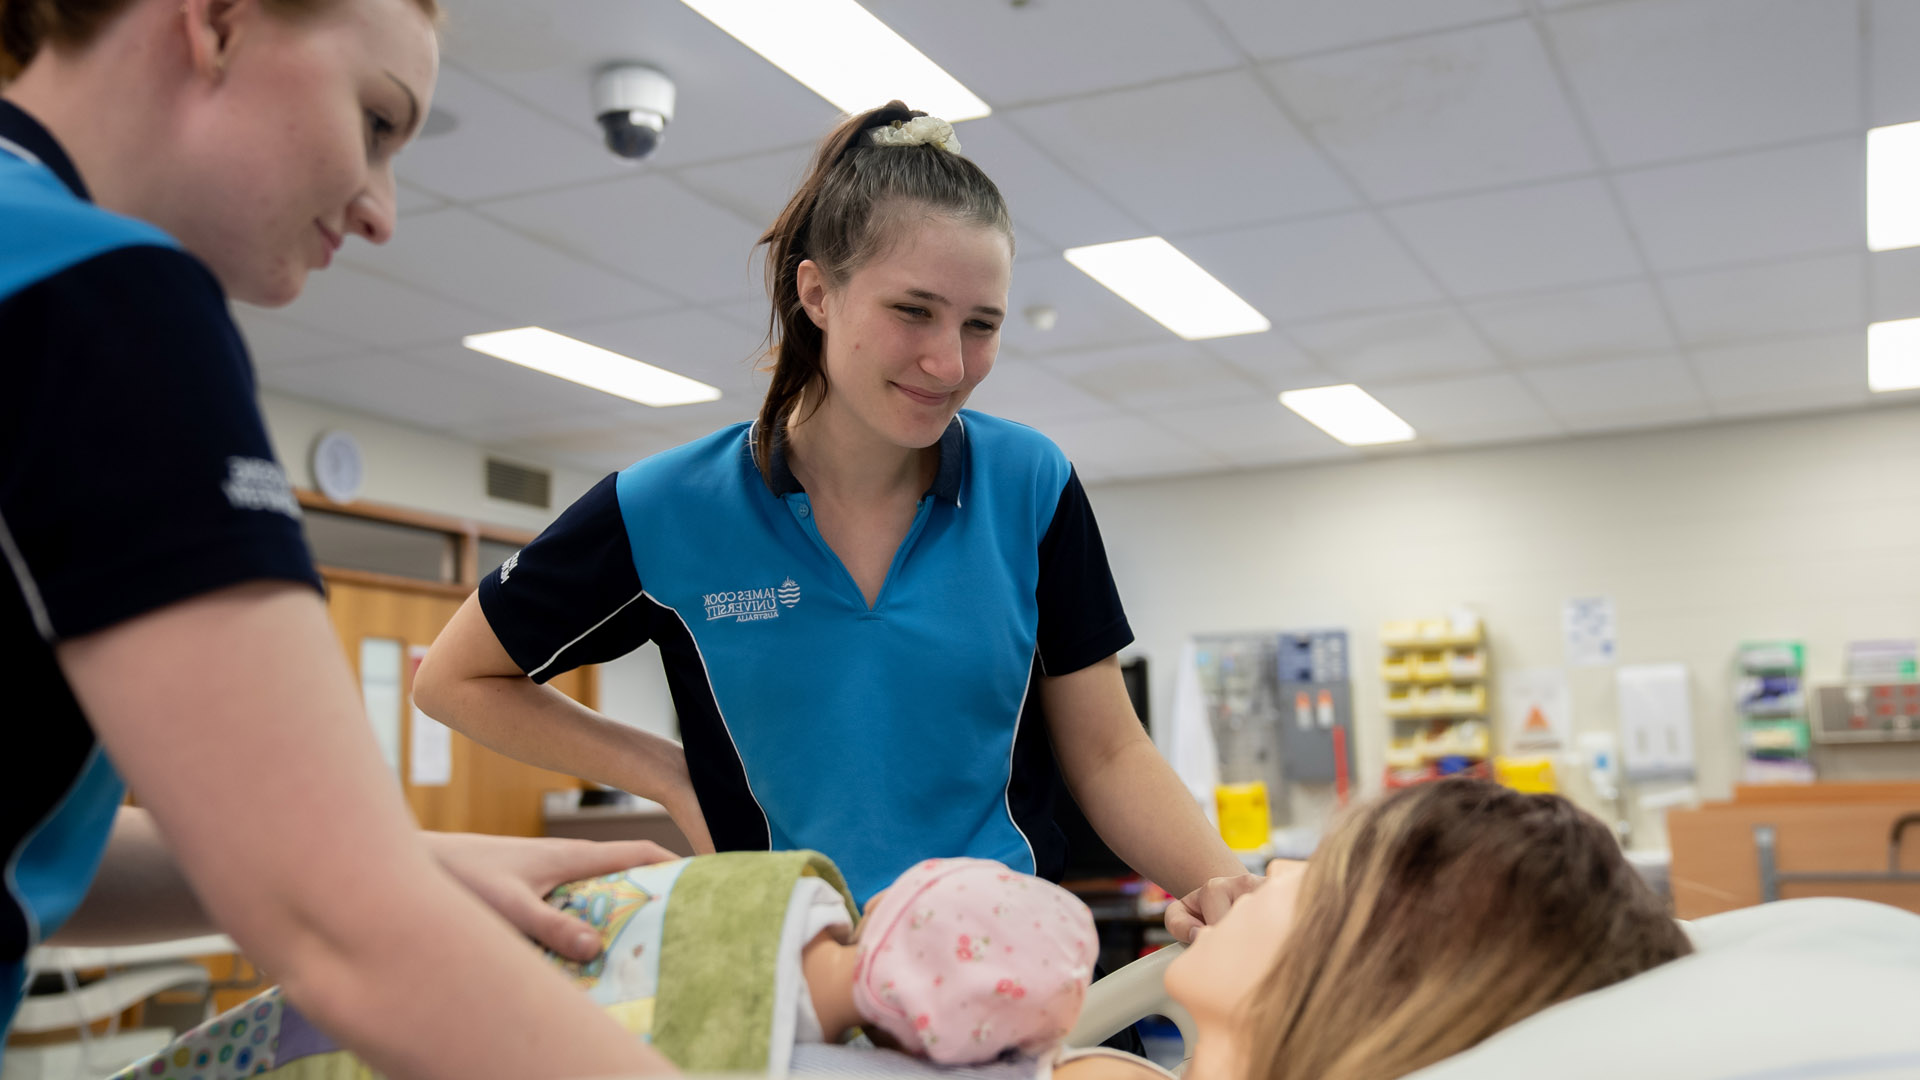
(380, 693)
(1590, 629)
(1656, 722)
(431, 757)
(430, 745)
(1538, 708)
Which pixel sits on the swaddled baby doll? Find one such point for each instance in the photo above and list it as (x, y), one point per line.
(727, 962)
(958, 961)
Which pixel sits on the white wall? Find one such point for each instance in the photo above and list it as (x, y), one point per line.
(1803, 528)
(421, 470)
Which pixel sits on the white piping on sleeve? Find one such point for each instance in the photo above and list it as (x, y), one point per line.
(556, 655)
(42, 622)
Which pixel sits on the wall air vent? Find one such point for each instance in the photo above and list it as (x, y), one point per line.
(521, 484)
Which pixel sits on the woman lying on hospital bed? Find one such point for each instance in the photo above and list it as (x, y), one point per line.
(1426, 922)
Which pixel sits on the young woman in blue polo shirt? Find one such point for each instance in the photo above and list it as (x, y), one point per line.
(159, 614)
(883, 618)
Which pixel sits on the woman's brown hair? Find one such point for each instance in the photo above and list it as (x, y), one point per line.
(26, 25)
(1439, 915)
(845, 212)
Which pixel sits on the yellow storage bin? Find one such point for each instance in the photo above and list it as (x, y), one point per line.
(1433, 666)
(1534, 776)
(1398, 668)
(1401, 701)
(1400, 633)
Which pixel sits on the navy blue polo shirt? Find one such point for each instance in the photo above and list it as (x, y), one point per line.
(135, 472)
(882, 735)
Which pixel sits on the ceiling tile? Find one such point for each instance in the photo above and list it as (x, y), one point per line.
(1439, 114)
(1271, 360)
(1777, 203)
(276, 342)
(651, 228)
(698, 344)
(1395, 346)
(1020, 389)
(1310, 269)
(394, 386)
(350, 302)
(461, 255)
(1786, 376)
(1089, 316)
(1148, 378)
(1253, 433)
(1637, 391)
(1044, 199)
(522, 394)
(1522, 239)
(410, 200)
(1119, 446)
(1893, 41)
(1580, 324)
(729, 101)
(1257, 167)
(1895, 279)
(756, 187)
(500, 146)
(1014, 53)
(1270, 29)
(1785, 299)
(1482, 408)
(1662, 79)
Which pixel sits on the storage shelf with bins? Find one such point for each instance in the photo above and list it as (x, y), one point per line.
(1435, 671)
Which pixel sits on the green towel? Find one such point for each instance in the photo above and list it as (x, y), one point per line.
(720, 952)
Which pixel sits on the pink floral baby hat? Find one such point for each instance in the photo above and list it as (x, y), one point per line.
(961, 959)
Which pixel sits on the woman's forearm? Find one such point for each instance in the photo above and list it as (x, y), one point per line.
(543, 727)
(1142, 810)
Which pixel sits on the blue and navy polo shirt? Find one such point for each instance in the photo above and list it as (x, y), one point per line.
(135, 472)
(878, 735)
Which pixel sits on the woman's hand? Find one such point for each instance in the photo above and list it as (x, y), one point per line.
(1208, 904)
(513, 875)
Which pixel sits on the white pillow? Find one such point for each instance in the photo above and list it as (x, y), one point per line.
(1795, 990)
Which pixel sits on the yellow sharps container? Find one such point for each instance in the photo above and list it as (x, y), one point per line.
(1245, 822)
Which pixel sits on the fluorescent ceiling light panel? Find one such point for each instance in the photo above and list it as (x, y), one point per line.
(1893, 355)
(1893, 187)
(1173, 290)
(591, 365)
(837, 49)
(1349, 414)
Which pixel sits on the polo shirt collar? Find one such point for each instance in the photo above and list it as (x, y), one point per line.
(946, 482)
(26, 134)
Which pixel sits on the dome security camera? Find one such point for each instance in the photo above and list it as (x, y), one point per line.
(633, 104)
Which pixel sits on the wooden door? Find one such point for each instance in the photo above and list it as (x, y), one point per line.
(486, 792)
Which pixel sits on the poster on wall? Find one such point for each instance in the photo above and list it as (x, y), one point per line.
(430, 745)
(1656, 722)
(1591, 631)
(1537, 706)
(380, 694)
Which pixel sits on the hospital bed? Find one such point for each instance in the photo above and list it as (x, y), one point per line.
(1811, 989)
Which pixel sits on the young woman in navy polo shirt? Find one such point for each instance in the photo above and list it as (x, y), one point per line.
(159, 613)
(883, 618)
